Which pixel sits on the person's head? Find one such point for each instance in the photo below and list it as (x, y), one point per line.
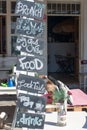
(50, 86)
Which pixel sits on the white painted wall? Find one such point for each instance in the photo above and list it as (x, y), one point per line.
(84, 35)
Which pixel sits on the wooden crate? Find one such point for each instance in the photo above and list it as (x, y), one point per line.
(51, 108)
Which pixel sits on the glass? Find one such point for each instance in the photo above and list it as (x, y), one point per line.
(48, 8)
(68, 8)
(62, 114)
(78, 8)
(2, 35)
(64, 10)
(53, 8)
(3, 6)
(14, 52)
(59, 8)
(13, 4)
(13, 24)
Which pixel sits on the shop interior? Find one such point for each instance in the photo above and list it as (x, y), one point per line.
(63, 48)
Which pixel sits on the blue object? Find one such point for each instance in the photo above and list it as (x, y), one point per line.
(10, 83)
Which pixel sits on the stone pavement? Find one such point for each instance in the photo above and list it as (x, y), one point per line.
(9, 108)
(7, 105)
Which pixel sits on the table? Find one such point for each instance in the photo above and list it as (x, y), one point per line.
(75, 121)
(7, 90)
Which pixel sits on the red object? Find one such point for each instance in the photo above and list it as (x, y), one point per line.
(79, 97)
(49, 98)
(69, 93)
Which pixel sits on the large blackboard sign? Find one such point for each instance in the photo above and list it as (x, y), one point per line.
(30, 120)
(31, 64)
(30, 9)
(26, 26)
(30, 45)
(31, 84)
(31, 102)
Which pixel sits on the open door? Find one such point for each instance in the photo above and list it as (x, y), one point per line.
(63, 41)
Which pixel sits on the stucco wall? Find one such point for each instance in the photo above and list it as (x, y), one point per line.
(84, 36)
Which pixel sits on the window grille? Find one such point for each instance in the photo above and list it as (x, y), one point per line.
(63, 8)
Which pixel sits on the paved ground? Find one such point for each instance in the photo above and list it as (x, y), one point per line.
(8, 104)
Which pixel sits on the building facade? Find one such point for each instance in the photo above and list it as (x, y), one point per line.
(70, 43)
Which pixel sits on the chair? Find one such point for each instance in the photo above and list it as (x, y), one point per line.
(61, 62)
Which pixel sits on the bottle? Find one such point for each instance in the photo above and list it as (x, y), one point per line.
(62, 115)
(10, 83)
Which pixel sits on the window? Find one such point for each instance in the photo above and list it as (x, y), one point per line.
(2, 27)
(2, 35)
(2, 6)
(14, 52)
(62, 8)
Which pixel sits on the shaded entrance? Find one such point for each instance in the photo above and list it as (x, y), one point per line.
(63, 47)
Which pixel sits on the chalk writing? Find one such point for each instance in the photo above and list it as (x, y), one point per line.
(30, 9)
(30, 27)
(31, 84)
(31, 102)
(29, 63)
(30, 45)
(30, 120)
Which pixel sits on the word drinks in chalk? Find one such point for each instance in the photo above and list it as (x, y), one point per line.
(31, 102)
(30, 9)
(30, 120)
(30, 45)
(26, 26)
(31, 84)
(31, 64)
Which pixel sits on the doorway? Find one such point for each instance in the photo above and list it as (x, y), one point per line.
(63, 48)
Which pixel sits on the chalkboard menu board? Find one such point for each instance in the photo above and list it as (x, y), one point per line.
(30, 31)
(31, 102)
(30, 9)
(31, 64)
(26, 26)
(31, 84)
(30, 120)
(30, 45)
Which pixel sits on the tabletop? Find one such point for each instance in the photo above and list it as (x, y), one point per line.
(75, 121)
(7, 90)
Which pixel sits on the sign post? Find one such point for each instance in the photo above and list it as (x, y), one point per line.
(31, 42)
